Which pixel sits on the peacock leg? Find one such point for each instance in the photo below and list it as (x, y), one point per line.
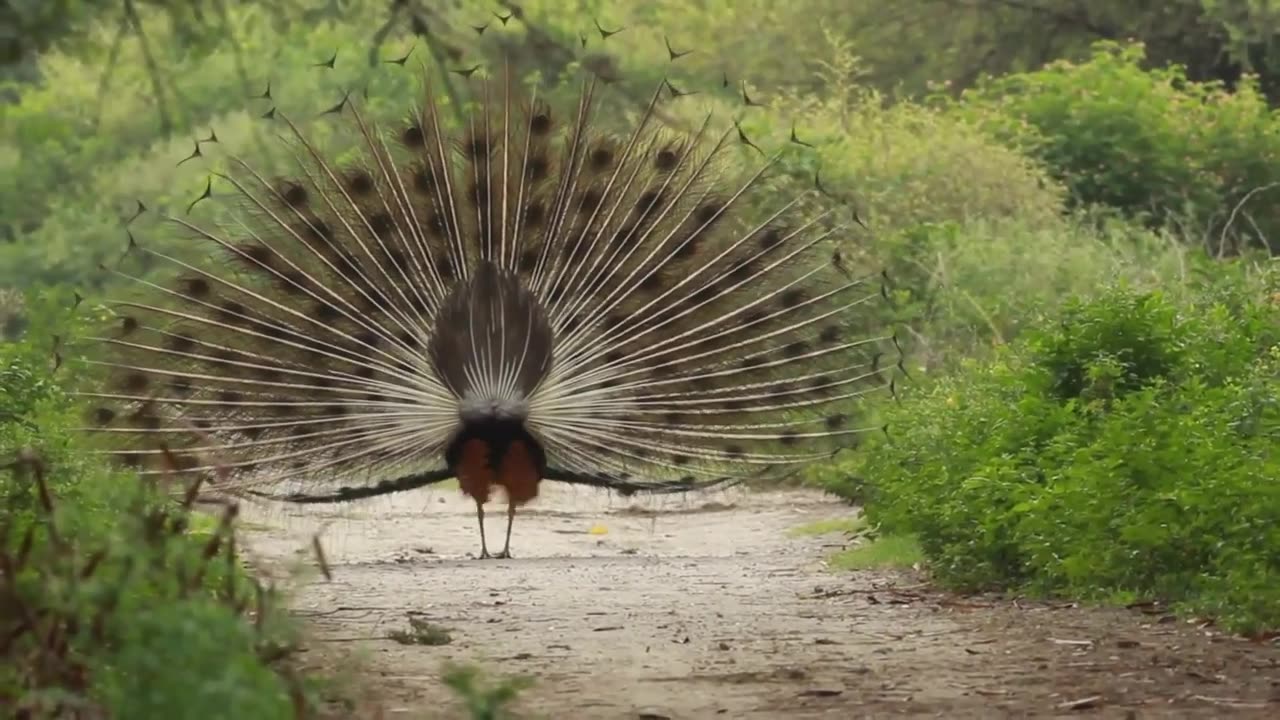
(506, 547)
(484, 549)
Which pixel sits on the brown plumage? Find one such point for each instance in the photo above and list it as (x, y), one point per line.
(515, 298)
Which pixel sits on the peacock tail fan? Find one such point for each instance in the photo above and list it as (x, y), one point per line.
(643, 302)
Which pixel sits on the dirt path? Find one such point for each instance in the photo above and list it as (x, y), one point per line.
(711, 607)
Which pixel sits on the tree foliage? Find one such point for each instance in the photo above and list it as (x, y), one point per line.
(28, 27)
(914, 43)
(1152, 143)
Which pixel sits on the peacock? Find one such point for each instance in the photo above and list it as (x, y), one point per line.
(510, 291)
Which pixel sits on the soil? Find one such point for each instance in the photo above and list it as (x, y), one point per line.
(713, 607)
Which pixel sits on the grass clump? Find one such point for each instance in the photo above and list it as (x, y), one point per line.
(1126, 447)
(885, 552)
(873, 551)
(831, 526)
(484, 698)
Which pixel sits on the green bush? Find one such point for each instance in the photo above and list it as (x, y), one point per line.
(903, 164)
(962, 289)
(1149, 142)
(115, 599)
(956, 219)
(1127, 449)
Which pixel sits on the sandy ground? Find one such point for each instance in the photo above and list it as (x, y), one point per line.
(711, 607)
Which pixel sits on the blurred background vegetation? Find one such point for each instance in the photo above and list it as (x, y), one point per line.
(1076, 201)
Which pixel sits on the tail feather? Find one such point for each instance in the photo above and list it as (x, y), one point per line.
(656, 316)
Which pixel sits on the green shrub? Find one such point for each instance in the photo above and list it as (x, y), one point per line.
(1127, 449)
(964, 288)
(954, 217)
(115, 599)
(1149, 142)
(903, 164)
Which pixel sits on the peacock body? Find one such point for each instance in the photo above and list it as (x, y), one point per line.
(506, 294)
